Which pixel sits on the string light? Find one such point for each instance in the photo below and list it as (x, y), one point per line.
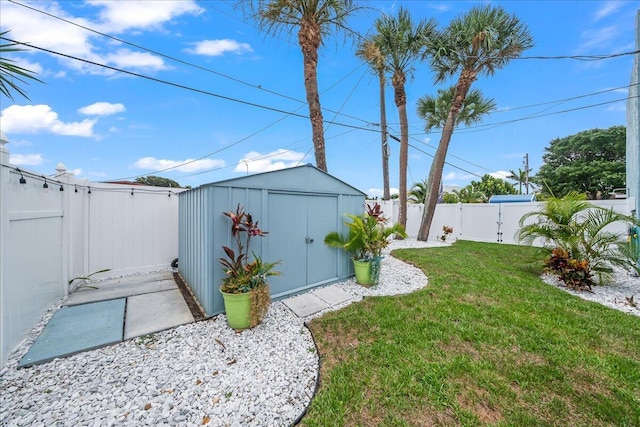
(22, 180)
(61, 187)
(75, 188)
(45, 185)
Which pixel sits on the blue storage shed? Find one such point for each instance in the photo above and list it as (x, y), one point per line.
(296, 206)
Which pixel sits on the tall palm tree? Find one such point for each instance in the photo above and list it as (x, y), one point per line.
(370, 52)
(479, 42)
(11, 75)
(314, 20)
(402, 41)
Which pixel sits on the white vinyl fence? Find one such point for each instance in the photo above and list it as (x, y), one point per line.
(484, 222)
(49, 236)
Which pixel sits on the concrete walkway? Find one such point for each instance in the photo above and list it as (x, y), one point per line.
(119, 309)
(134, 306)
(315, 301)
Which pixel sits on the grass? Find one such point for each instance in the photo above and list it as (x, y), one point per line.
(486, 343)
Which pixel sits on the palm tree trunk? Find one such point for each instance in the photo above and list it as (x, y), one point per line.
(384, 139)
(437, 166)
(398, 82)
(309, 40)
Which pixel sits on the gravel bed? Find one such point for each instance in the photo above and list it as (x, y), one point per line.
(189, 375)
(614, 295)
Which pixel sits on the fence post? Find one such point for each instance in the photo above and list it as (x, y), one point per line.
(67, 224)
(4, 231)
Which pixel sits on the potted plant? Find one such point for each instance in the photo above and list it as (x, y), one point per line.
(368, 236)
(245, 289)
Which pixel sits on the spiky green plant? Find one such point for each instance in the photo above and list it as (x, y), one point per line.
(367, 236)
(580, 228)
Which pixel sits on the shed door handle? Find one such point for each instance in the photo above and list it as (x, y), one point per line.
(308, 240)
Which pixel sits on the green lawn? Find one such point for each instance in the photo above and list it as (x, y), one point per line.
(485, 343)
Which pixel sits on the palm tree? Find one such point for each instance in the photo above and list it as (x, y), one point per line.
(10, 73)
(479, 42)
(435, 110)
(314, 19)
(521, 177)
(580, 228)
(418, 192)
(369, 51)
(469, 195)
(402, 41)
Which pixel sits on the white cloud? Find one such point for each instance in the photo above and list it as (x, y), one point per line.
(379, 192)
(188, 165)
(618, 106)
(500, 174)
(599, 38)
(26, 159)
(254, 162)
(35, 67)
(102, 109)
(607, 9)
(114, 17)
(219, 47)
(23, 119)
(119, 16)
(125, 58)
(454, 176)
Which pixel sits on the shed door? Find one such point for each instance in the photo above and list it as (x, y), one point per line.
(297, 226)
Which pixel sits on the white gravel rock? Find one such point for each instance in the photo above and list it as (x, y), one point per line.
(614, 295)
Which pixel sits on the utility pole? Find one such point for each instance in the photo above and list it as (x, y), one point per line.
(526, 172)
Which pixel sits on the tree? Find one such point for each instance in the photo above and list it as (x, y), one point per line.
(157, 181)
(490, 186)
(418, 192)
(591, 162)
(479, 42)
(521, 177)
(315, 20)
(401, 41)
(370, 52)
(435, 110)
(11, 73)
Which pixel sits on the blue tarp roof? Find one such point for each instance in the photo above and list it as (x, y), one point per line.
(512, 198)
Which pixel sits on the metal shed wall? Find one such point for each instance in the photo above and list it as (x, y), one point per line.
(297, 206)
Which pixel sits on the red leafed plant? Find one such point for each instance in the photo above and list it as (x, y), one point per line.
(242, 275)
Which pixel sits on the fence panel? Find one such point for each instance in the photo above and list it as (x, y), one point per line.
(479, 222)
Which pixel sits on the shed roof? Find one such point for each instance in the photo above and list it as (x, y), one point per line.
(512, 198)
(304, 178)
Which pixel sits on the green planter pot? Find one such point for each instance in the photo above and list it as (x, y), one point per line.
(363, 272)
(238, 309)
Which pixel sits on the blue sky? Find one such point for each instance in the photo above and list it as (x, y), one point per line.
(106, 125)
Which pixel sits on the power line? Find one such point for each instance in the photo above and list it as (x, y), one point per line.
(178, 60)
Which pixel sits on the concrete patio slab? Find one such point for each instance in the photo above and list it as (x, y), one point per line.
(78, 328)
(127, 286)
(154, 312)
(305, 304)
(333, 295)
